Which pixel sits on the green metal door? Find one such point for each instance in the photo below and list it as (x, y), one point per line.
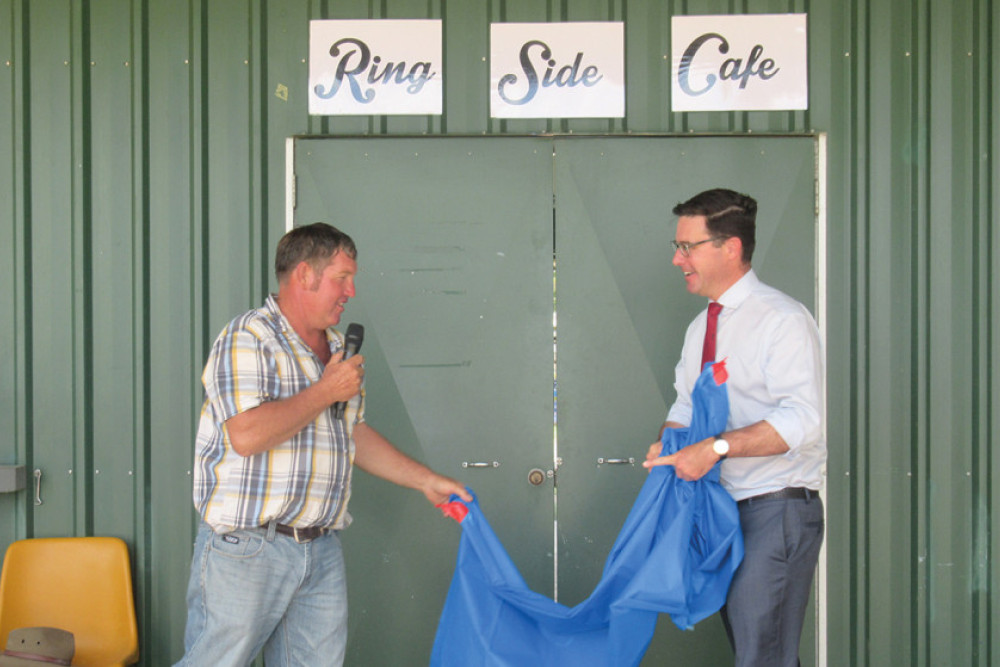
(622, 313)
(455, 291)
(469, 249)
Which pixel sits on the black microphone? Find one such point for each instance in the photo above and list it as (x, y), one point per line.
(352, 343)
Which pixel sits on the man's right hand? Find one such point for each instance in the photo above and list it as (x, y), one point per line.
(272, 422)
(342, 379)
(654, 451)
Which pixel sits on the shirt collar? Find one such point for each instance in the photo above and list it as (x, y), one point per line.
(274, 312)
(739, 291)
(281, 324)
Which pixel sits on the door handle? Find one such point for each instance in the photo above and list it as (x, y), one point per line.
(38, 486)
(629, 461)
(480, 464)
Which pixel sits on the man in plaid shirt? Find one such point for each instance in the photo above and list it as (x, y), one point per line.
(273, 464)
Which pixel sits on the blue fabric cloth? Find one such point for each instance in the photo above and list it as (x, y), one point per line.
(676, 554)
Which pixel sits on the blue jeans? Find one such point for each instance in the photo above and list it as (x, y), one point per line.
(766, 605)
(251, 591)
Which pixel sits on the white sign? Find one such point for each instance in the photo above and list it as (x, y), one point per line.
(557, 70)
(746, 63)
(375, 67)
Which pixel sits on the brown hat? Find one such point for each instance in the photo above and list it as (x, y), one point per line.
(36, 647)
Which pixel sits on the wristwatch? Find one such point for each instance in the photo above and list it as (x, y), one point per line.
(720, 447)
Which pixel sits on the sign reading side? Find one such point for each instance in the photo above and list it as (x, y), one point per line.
(557, 70)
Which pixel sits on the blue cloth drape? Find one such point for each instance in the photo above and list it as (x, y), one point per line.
(675, 554)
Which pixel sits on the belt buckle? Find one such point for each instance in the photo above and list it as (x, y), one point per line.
(298, 540)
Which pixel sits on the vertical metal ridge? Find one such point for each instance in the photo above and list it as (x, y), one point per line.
(199, 170)
(23, 195)
(919, 358)
(436, 124)
(81, 188)
(988, 212)
(922, 637)
(259, 139)
(322, 121)
(856, 634)
(142, 363)
(855, 90)
(862, 55)
(982, 310)
(496, 11)
(974, 340)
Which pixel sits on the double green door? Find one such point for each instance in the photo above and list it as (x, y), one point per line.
(523, 320)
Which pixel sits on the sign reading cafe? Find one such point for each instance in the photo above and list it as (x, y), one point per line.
(557, 70)
(368, 67)
(739, 63)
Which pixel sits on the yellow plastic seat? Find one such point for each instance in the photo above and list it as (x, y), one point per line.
(79, 584)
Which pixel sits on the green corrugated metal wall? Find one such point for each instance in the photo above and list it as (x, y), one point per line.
(141, 194)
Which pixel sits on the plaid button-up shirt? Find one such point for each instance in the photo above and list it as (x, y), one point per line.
(303, 482)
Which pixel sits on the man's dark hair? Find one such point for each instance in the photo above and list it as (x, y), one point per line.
(316, 243)
(727, 214)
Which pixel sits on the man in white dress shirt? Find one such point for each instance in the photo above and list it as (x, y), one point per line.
(773, 448)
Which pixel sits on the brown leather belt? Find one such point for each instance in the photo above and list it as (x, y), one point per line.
(301, 535)
(789, 493)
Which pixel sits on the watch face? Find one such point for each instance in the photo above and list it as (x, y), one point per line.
(721, 447)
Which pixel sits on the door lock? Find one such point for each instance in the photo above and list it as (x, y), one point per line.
(536, 476)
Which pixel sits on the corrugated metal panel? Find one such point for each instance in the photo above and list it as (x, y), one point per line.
(908, 343)
(141, 195)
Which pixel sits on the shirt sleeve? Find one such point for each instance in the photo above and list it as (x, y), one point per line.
(680, 411)
(240, 373)
(355, 413)
(793, 373)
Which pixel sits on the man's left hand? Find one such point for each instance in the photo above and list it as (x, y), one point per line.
(691, 463)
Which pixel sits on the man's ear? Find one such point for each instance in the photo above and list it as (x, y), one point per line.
(302, 276)
(734, 248)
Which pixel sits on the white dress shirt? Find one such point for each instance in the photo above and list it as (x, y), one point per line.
(772, 350)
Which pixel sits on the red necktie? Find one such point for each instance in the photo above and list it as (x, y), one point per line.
(708, 349)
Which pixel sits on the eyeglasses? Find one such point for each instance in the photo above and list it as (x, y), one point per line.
(685, 247)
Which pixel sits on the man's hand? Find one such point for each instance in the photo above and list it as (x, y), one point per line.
(274, 422)
(341, 379)
(438, 489)
(691, 463)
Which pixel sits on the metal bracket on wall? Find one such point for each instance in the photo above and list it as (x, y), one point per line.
(12, 478)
